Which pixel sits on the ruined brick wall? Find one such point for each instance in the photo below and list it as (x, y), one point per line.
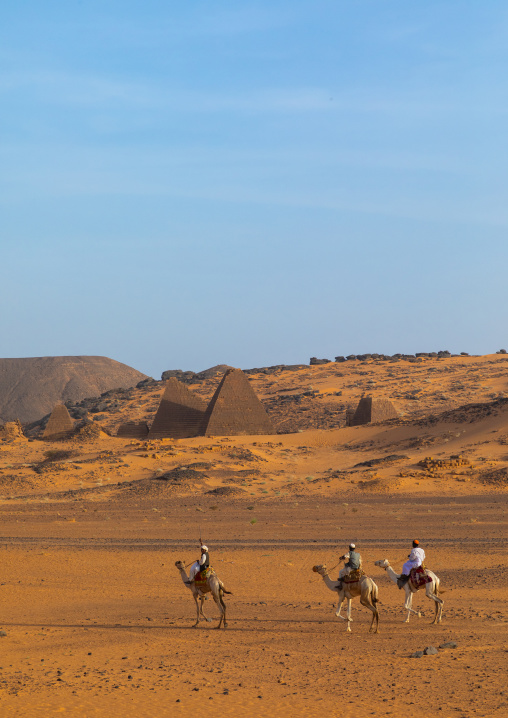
(60, 425)
(235, 409)
(350, 413)
(180, 413)
(133, 430)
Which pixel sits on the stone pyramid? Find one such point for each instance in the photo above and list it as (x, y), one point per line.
(235, 409)
(373, 409)
(60, 425)
(180, 413)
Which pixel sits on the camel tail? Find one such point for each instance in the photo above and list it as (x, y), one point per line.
(438, 588)
(224, 590)
(375, 596)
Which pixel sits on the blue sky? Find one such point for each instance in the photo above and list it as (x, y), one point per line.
(252, 183)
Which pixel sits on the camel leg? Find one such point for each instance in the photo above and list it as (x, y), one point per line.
(201, 601)
(222, 608)
(194, 596)
(339, 606)
(221, 597)
(408, 604)
(438, 602)
(349, 619)
(375, 615)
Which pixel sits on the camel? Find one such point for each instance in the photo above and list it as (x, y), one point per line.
(214, 586)
(365, 588)
(431, 590)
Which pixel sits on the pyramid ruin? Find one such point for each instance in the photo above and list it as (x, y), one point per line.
(133, 430)
(235, 409)
(180, 413)
(60, 425)
(11, 430)
(372, 409)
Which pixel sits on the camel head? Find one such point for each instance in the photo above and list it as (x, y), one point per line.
(179, 565)
(322, 570)
(384, 563)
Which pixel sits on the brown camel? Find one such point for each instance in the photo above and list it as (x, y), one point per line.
(365, 588)
(431, 590)
(214, 586)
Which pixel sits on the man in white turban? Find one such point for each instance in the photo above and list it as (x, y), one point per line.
(201, 564)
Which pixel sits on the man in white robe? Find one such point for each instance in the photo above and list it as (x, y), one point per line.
(201, 564)
(415, 559)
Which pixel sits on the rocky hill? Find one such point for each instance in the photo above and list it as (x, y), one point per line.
(30, 388)
(304, 397)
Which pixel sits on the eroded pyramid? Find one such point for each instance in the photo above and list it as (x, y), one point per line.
(60, 425)
(180, 413)
(372, 409)
(235, 409)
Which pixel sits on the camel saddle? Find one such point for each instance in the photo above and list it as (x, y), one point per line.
(419, 577)
(201, 578)
(353, 576)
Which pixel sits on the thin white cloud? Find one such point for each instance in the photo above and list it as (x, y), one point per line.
(243, 177)
(108, 93)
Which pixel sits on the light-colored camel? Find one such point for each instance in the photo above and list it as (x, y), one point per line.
(431, 590)
(214, 586)
(365, 588)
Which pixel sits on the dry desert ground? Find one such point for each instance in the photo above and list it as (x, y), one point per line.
(96, 620)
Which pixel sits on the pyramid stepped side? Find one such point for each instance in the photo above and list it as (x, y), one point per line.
(133, 430)
(235, 409)
(60, 425)
(383, 409)
(180, 413)
(371, 409)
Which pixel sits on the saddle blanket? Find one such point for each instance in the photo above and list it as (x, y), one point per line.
(353, 576)
(200, 579)
(419, 577)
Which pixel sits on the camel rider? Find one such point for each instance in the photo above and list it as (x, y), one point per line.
(353, 561)
(201, 564)
(416, 559)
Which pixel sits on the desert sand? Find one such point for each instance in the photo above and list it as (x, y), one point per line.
(96, 618)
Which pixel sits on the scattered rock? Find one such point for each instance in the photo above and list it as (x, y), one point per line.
(226, 491)
(313, 361)
(449, 644)
(417, 654)
(431, 651)
(383, 460)
(181, 473)
(2, 634)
